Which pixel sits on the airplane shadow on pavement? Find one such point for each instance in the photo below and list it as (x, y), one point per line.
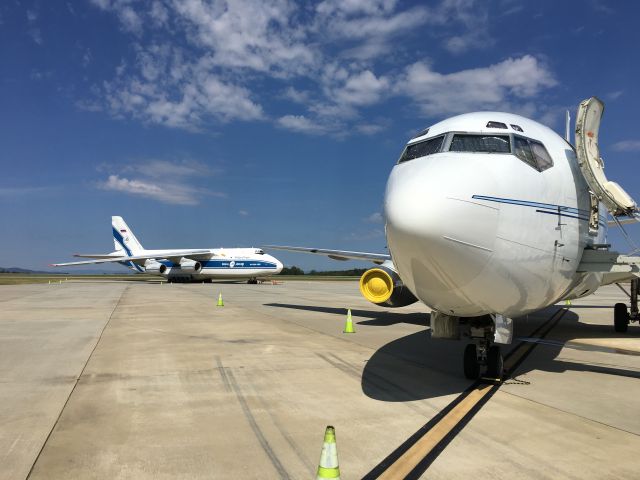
(417, 367)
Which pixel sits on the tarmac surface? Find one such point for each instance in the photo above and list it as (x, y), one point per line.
(130, 380)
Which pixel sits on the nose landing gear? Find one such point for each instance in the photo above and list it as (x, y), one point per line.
(479, 354)
(482, 352)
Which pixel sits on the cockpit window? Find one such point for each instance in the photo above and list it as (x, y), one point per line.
(259, 252)
(422, 133)
(532, 152)
(522, 150)
(542, 156)
(480, 143)
(422, 149)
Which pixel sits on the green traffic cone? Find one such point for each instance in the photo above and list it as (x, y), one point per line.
(348, 327)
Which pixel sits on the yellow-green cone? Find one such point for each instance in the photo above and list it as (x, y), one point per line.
(348, 327)
(328, 466)
(220, 302)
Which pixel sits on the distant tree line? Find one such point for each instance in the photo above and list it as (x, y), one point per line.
(354, 272)
(292, 271)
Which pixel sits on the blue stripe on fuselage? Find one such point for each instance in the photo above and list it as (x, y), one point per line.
(559, 210)
(226, 264)
(526, 203)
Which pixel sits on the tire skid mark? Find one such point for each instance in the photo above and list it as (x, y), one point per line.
(264, 443)
(223, 374)
(380, 383)
(292, 443)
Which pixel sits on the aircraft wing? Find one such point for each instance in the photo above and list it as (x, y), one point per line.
(193, 254)
(615, 267)
(623, 221)
(342, 255)
(97, 255)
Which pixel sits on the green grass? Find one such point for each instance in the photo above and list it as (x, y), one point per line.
(27, 278)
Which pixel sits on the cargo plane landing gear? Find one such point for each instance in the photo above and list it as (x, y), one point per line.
(621, 316)
(252, 281)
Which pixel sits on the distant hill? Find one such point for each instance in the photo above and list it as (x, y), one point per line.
(19, 270)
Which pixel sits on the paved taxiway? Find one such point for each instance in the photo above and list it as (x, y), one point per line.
(129, 380)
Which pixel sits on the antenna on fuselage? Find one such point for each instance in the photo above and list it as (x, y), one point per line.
(567, 127)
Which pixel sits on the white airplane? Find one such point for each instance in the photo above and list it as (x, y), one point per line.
(183, 264)
(490, 216)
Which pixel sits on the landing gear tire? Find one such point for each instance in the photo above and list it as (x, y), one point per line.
(252, 281)
(495, 364)
(471, 365)
(620, 317)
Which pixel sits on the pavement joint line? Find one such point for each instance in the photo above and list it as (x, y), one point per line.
(75, 384)
(569, 413)
(413, 457)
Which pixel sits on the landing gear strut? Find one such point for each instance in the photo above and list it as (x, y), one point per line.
(482, 352)
(621, 316)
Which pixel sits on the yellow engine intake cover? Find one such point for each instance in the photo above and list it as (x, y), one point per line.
(376, 285)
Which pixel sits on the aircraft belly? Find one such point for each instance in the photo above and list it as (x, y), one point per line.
(234, 273)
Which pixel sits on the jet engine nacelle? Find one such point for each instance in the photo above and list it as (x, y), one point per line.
(382, 285)
(154, 267)
(190, 266)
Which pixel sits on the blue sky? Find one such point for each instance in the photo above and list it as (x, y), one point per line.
(207, 123)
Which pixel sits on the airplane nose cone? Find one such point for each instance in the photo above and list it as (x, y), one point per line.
(279, 265)
(440, 237)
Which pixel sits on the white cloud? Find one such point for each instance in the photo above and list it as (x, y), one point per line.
(24, 191)
(335, 60)
(363, 88)
(300, 123)
(171, 170)
(375, 217)
(484, 88)
(627, 146)
(369, 128)
(243, 213)
(364, 235)
(161, 180)
(125, 11)
(296, 95)
(251, 34)
(33, 31)
(171, 193)
(158, 13)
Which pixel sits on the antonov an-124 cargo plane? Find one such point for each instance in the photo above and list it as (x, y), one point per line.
(490, 216)
(183, 265)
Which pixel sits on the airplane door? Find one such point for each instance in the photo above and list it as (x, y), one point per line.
(617, 201)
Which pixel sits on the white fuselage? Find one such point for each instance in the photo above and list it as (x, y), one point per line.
(476, 233)
(231, 263)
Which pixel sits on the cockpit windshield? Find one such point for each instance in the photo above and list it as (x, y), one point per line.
(530, 151)
(480, 143)
(422, 149)
(259, 251)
